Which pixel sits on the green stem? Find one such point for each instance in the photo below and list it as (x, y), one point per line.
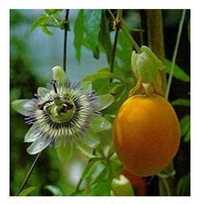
(164, 187)
(28, 174)
(66, 26)
(84, 152)
(175, 53)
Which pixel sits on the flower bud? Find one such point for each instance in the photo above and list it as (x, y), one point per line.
(59, 74)
(146, 65)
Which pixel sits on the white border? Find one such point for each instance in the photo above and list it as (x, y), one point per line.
(84, 4)
(4, 97)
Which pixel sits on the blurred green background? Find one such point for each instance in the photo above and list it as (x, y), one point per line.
(33, 54)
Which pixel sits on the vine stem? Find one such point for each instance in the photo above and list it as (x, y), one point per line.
(28, 174)
(114, 50)
(66, 25)
(124, 27)
(116, 22)
(175, 53)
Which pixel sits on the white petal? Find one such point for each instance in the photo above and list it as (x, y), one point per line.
(42, 92)
(24, 106)
(39, 145)
(32, 134)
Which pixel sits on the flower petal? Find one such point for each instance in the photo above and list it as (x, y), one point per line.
(42, 92)
(32, 134)
(39, 145)
(25, 107)
(103, 101)
(86, 86)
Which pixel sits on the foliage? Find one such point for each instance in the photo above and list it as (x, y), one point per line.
(183, 186)
(50, 18)
(27, 191)
(178, 72)
(185, 128)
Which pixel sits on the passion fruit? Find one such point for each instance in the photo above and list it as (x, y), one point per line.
(146, 134)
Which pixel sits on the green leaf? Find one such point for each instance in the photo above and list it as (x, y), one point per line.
(185, 128)
(183, 186)
(102, 185)
(104, 35)
(124, 50)
(79, 33)
(92, 21)
(41, 21)
(65, 152)
(103, 73)
(53, 11)
(94, 172)
(181, 102)
(116, 165)
(27, 191)
(54, 190)
(104, 101)
(91, 139)
(101, 86)
(99, 124)
(50, 18)
(46, 30)
(178, 72)
(95, 180)
(53, 16)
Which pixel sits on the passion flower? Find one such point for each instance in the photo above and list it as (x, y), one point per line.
(58, 114)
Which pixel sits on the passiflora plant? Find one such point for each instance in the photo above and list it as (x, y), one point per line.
(119, 118)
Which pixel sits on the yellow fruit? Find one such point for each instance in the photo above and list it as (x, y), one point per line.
(146, 134)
